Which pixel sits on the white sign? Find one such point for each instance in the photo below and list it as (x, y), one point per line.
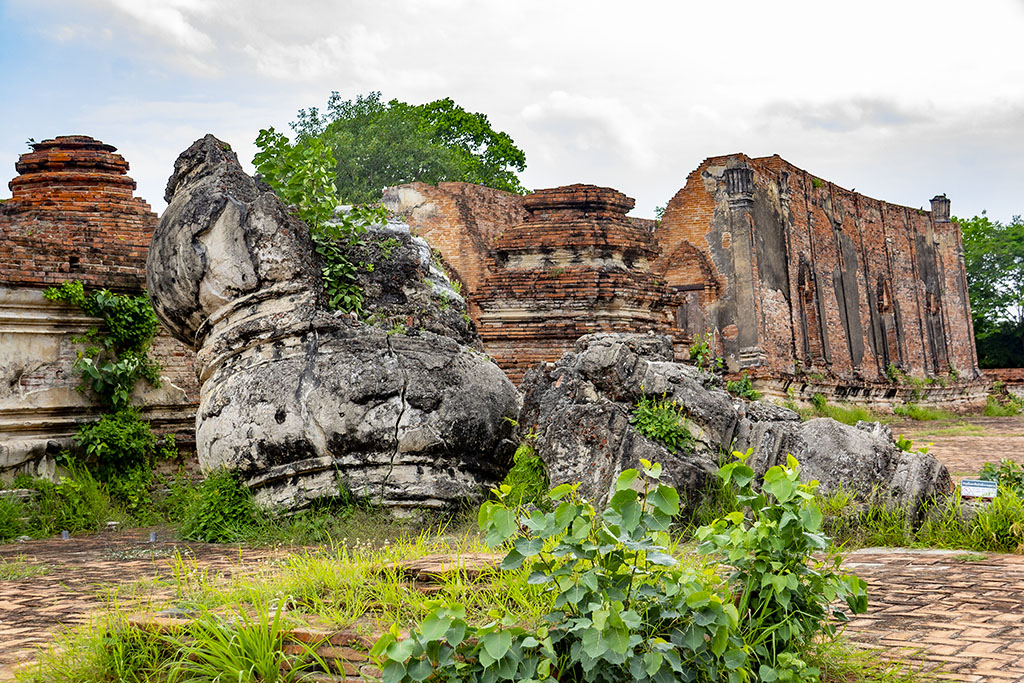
(978, 488)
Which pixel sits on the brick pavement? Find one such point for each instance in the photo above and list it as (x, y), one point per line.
(949, 608)
(964, 455)
(86, 573)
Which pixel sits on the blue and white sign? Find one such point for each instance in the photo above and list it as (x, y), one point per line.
(978, 488)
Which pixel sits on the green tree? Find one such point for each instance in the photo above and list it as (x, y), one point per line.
(994, 258)
(377, 144)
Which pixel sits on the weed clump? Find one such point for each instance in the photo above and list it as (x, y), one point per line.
(664, 421)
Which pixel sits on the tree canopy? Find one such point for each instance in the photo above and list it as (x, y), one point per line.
(994, 258)
(376, 144)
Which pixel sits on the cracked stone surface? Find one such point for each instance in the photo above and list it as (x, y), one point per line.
(581, 405)
(303, 402)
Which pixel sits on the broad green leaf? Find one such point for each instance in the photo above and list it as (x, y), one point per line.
(497, 643)
(626, 479)
(560, 491)
(666, 499)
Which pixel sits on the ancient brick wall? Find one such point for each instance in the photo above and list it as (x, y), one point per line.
(460, 220)
(72, 216)
(798, 280)
(816, 280)
(541, 270)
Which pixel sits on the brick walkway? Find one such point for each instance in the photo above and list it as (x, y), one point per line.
(949, 608)
(85, 573)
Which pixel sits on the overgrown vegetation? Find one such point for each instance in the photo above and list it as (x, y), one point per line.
(301, 175)
(664, 421)
(702, 353)
(581, 596)
(109, 474)
(1001, 403)
(845, 413)
(116, 356)
(527, 481)
(914, 411)
(743, 388)
(625, 608)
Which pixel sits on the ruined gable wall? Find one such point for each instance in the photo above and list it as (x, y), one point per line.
(72, 216)
(817, 280)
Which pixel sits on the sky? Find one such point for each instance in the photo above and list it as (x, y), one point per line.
(900, 100)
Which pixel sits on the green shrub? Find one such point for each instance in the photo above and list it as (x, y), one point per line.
(625, 609)
(1008, 474)
(1005, 408)
(220, 511)
(743, 388)
(662, 420)
(783, 600)
(528, 478)
(120, 450)
(702, 353)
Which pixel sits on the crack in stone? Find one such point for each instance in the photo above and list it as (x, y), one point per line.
(398, 422)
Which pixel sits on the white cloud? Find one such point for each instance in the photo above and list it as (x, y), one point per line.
(168, 21)
(592, 124)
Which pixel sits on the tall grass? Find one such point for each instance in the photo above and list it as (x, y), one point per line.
(914, 411)
(997, 526)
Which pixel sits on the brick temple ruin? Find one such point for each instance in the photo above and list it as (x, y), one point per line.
(72, 216)
(806, 286)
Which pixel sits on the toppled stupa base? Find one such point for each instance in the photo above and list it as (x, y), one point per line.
(580, 407)
(302, 402)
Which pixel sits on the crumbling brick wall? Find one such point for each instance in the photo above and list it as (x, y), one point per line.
(461, 221)
(794, 277)
(818, 279)
(72, 216)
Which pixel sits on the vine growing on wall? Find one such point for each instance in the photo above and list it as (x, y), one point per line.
(116, 354)
(120, 448)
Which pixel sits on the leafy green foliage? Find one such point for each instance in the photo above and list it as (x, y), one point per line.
(116, 356)
(702, 352)
(301, 175)
(528, 478)
(994, 260)
(74, 503)
(625, 608)
(784, 601)
(377, 144)
(662, 420)
(1008, 473)
(121, 450)
(220, 511)
(743, 388)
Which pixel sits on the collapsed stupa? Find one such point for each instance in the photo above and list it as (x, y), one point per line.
(302, 402)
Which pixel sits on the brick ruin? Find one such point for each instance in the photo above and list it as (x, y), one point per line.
(809, 287)
(72, 216)
(806, 286)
